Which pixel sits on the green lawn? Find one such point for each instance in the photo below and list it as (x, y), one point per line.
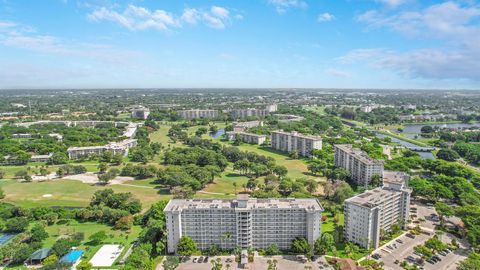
(224, 185)
(328, 225)
(71, 193)
(296, 167)
(88, 228)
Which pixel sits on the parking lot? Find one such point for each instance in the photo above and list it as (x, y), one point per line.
(397, 250)
(260, 263)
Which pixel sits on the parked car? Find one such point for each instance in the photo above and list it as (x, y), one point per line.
(200, 259)
(443, 253)
(229, 260)
(396, 262)
(399, 241)
(435, 257)
(205, 259)
(409, 235)
(410, 258)
(390, 247)
(376, 256)
(194, 259)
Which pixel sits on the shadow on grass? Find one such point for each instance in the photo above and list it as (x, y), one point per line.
(234, 175)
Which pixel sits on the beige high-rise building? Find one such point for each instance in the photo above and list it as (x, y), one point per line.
(360, 166)
(295, 142)
(367, 214)
(243, 222)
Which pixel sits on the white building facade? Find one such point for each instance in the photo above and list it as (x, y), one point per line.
(295, 142)
(243, 222)
(246, 137)
(376, 210)
(194, 114)
(360, 166)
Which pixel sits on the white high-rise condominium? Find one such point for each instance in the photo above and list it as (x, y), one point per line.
(243, 222)
(360, 166)
(377, 209)
(193, 114)
(295, 142)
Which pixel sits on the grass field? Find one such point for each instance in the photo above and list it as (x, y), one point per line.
(88, 228)
(224, 185)
(72, 193)
(328, 225)
(296, 167)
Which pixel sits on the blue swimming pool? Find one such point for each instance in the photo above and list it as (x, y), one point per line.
(72, 256)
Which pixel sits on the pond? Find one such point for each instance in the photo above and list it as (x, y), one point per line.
(217, 134)
(415, 128)
(424, 155)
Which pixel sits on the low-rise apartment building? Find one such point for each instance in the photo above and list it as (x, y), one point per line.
(295, 142)
(194, 114)
(242, 126)
(376, 210)
(116, 147)
(285, 118)
(250, 112)
(357, 162)
(253, 112)
(246, 137)
(140, 112)
(243, 222)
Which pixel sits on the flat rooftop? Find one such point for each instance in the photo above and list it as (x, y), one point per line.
(296, 134)
(373, 197)
(393, 177)
(358, 154)
(252, 203)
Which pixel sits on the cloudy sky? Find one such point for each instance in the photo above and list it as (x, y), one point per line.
(247, 43)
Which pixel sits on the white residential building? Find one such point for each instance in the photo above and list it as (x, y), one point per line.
(250, 112)
(116, 147)
(376, 210)
(242, 126)
(246, 137)
(295, 142)
(243, 222)
(357, 162)
(194, 114)
(140, 112)
(285, 118)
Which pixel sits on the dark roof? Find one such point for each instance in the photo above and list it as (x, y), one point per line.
(40, 254)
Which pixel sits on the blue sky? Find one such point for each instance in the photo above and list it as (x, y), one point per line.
(241, 43)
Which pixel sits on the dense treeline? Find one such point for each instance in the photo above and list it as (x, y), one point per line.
(446, 181)
(116, 209)
(469, 151)
(376, 116)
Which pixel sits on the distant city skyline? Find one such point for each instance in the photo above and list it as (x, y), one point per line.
(375, 44)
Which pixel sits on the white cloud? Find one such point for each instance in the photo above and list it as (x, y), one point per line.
(282, 6)
(22, 37)
(136, 18)
(337, 73)
(325, 17)
(191, 16)
(453, 26)
(220, 12)
(392, 3)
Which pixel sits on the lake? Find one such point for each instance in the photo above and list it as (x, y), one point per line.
(415, 128)
(424, 155)
(217, 134)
